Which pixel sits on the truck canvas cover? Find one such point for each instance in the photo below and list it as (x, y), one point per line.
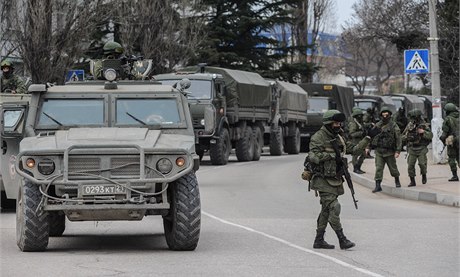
(293, 97)
(341, 95)
(248, 89)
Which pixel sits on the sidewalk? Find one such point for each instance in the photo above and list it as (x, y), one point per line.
(437, 190)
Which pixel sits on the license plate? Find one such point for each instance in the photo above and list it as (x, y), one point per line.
(86, 190)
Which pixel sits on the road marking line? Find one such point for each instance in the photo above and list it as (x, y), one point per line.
(337, 261)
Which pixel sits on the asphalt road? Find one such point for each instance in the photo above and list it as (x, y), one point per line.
(257, 220)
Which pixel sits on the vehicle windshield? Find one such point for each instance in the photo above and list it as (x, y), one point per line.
(151, 111)
(364, 105)
(56, 113)
(318, 105)
(398, 102)
(199, 89)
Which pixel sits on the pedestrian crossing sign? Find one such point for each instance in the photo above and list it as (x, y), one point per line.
(416, 61)
(75, 75)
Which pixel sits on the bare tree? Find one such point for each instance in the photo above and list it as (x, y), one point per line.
(7, 45)
(52, 34)
(168, 32)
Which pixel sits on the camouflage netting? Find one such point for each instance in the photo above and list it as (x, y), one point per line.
(293, 97)
(248, 89)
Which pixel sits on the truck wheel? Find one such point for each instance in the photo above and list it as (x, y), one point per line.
(293, 143)
(220, 151)
(182, 224)
(56, 223)
(245, 146)
(276, 141)
(258, 142)
(32, 226)
(7, 204)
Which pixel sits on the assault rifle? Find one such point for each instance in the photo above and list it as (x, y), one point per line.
(342, 170)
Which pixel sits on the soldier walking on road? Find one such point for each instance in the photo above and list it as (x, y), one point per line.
(324, 177)
(356, 133)
(401, 119)
(450, 138)
(10, 82)
(418, 136)
(387, 148)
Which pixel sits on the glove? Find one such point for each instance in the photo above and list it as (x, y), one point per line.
(374, 131)
(306, 175)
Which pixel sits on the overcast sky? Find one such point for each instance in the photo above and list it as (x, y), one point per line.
(343, 11)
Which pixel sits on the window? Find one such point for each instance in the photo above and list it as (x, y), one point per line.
(151, 111)
(318, 105)
(199, 89)
(56, 113)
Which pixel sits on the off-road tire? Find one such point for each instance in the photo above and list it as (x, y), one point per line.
(245, 146)
(258, 142)
(276, 142)
(220, 151)
(56, 223)
(32, 226)
(183, 222)
(293, 143)
(7, 204)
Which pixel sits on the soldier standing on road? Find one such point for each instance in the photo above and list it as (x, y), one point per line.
(401, 119)
(10, 82)
(369, 121)
(450, 138)
(418, 136)
(325, 179)
(387, 148)
(356, 133)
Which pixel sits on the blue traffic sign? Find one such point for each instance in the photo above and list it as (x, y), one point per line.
(75, 75)
(416, 61)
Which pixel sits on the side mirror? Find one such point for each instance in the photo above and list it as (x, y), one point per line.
(209, 119)
(12, 121)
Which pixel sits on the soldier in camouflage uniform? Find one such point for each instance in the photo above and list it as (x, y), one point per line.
(10, 82)
(450, 138)
(387, 148)
(356, 133)
(417, 136)
(325, 180)
(112, 50)
(400, 118)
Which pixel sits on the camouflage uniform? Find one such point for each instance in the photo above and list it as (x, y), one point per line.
(401, 119)
(325, 179)
(11, 83)
(450, 137)
(387, 144)
(356, 133)
(418, 136)
(112, 50)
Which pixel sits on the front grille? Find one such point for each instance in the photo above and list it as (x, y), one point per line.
(90, 165)
(132, 169)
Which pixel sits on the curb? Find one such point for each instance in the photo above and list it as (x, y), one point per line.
(410, 194)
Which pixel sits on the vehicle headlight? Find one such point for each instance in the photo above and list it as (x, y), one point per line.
(46, 166)
(110, 74)
(164, 166)
(202, 122)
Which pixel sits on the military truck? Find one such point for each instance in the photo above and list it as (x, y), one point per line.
(245, 106)
(323, 97)
(17, 99)
(95, 151)
(408, 102)
(374, 102)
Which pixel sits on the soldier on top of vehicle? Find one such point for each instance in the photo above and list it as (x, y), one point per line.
(10, 82)
(112, 51)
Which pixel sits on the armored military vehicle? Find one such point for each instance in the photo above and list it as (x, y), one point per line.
(12, 99)
(323, 97)
(244, 105)
(95, 151)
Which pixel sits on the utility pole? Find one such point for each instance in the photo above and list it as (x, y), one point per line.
(436, 122)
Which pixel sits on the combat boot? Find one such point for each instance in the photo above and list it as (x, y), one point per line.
(357, 170)
(397, 183)
(344, 242)
(423, 178)
(320, 242)
(377, 186)
(454, 176)
(412, 182)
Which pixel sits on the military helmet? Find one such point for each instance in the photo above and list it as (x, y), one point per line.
(415, 113)
(357, 112)
(386, 109)
(113, 47)
(450, 107)
(6, 63)
(333, 115)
